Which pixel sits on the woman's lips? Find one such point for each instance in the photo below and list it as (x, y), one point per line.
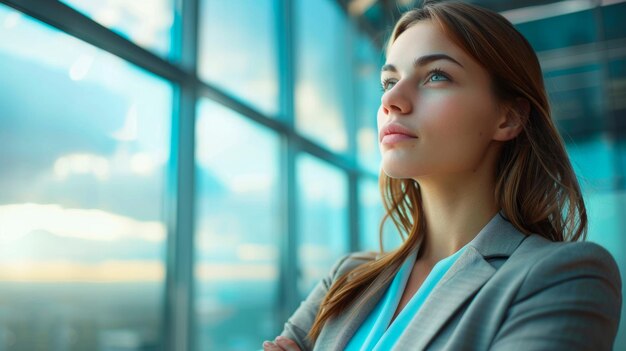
(392, 133)
(395, 138)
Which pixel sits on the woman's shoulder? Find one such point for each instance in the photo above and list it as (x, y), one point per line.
(548, 262)
(542, 249)
(352, 260)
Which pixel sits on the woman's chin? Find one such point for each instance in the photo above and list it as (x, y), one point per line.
(396, 171)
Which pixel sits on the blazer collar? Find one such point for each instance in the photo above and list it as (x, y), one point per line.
(498, 238)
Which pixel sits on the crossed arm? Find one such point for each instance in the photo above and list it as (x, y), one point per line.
(294, 335)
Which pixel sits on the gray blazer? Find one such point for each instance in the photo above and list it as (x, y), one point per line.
(507, 291)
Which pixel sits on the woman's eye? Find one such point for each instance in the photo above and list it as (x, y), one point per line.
(437, 76)
(387, 84)
(434, 76)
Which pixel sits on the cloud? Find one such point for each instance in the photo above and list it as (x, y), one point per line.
(17, 220)
(66, 271)
(236, 272)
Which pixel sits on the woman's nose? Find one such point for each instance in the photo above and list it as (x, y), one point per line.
(396, 101)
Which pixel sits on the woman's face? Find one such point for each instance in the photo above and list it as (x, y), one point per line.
(438, 115)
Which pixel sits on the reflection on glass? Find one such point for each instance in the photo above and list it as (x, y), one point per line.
(542, 36)
(367, 96)
(371, 212)
(85, 144)
(323, 81)
(146, 23)
(604, 210)
(613, 26)
(238, 50)
(322, 216)
(594, 162)
(576, 95)
(237, 230)
(597, 174)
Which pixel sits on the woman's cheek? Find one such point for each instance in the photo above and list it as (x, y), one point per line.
(381, 118)
(443, 114)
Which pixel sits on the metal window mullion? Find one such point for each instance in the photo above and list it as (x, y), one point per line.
(288, 296)
(351, 109)
(243, 108)
(179, 286)
(353, 212)
(180, 326)
(607, 102)
(78, 25)
(288, 245)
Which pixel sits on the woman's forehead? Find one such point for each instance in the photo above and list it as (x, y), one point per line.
(423, 40)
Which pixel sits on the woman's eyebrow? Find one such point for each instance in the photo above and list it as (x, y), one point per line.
(421, 61)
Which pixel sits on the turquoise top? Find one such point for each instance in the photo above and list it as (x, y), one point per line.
(375, 333)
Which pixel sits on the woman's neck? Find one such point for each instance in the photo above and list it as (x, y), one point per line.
(454, 212)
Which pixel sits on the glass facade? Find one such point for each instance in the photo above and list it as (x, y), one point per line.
(236, 169)
(322, 219)
(238, 50)
(323, 74)
(368, 60)
(85, 146)
(146, 23)
(271, 126)
(371, 212)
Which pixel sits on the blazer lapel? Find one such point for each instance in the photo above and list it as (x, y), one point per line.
(466, 276)
(338, 331)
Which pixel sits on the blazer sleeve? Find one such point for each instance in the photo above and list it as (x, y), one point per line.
(570, 300)
(298, 325)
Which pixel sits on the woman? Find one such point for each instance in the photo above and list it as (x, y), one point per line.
(476, 175)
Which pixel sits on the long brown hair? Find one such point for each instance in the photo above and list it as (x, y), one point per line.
(536, 187)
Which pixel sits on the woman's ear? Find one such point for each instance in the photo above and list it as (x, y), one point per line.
(514, 115)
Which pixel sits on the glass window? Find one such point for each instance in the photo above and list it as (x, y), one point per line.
(604, 213)
(592, 159)
(146, 23)
(595, 164)
(577, 99)
(371, 213)
(543, 36)
(368, 93)
(238, 50)
(614, 26)
(85, 147)
(322, 217)
(323, 81)
(237, 230)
